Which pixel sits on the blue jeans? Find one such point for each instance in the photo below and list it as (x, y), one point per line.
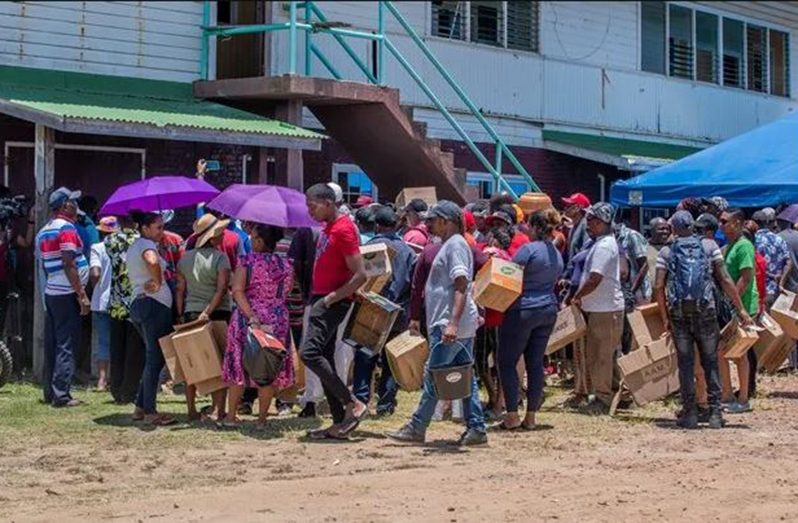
(101, 336)
(445, 355)
(152, 320)
(62, 338)
(361, 381)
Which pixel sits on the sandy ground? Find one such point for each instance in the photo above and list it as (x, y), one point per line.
(636, 467)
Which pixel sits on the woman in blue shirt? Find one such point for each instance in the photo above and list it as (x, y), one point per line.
(530, 320)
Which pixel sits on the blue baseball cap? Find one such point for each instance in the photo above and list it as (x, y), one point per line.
(62, 195)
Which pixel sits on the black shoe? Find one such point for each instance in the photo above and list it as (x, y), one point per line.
(385, 412)
(688, 420)
(245, 409)
(703, 414)
(309, 411)
(473, 437)
(716, 420)
(68, 404)
(406, 434)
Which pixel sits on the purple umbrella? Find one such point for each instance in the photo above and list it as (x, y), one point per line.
(156, 194)
(790, 214)
(267, 204)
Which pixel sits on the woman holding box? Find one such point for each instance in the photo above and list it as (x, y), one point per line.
(529, 321)
(261, 284)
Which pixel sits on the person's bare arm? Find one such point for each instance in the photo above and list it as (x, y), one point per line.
(460, 290)
(71, 272)
(94, 275)
(151, 259)
(222, 281)
(642, 271)
(785, 275)
(731, 290)
(240, 295)
(355, 265)
(180, 294)
(659, 296)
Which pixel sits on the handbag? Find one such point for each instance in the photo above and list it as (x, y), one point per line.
(263, 356)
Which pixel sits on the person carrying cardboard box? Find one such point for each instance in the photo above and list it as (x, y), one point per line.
(685, 297)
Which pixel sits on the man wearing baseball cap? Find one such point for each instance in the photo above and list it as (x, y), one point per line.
(452, 321)
(601, 298)
(415, 232)
(574, 210)
(59, 253)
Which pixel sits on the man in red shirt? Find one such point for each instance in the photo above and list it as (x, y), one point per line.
(416, 233)
(337, 274)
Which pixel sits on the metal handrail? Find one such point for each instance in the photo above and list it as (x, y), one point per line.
(383, 42)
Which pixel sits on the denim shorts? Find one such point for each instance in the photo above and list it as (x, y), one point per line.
(101, 336)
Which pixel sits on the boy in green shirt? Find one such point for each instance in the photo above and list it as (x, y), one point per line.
(740, 263)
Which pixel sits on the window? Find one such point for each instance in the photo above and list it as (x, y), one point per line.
(706, 45)
(486, 185)
(681, 42)
(733, 54)
(757, 53)
(522, 26)
(448, 19)
(653, 37)
(512, 25)
(779, 63)
(353, 182)
(708, 48)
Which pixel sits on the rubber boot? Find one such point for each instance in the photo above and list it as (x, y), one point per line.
(689, 417)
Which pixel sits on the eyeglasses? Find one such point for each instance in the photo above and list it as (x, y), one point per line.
(723, 221)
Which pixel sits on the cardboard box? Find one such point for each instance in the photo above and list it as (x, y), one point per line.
(651, 372)
(370, 322)
(498, 284)
(646, 324)
(377, 260)
(785, 312)
(407, 355)
(735, 341)
(570, 327)
(428, 194)
(770, 338)
(199, 349)
(772, 360)
(170, 357)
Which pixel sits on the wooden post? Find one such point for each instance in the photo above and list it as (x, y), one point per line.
(44, 170)
(291, 112)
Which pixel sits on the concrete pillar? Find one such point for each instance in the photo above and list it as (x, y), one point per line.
(289, 162)
(44, 172)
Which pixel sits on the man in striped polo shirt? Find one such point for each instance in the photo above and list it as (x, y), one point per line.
(60, 256)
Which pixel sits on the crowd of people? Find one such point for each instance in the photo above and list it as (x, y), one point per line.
(704, 266)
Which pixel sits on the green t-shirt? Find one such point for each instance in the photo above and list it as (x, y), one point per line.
(200, 268)
(741, 256)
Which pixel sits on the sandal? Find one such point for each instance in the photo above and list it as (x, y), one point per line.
(326, 434)
(229, 425)
(505, 428)
(138, 414)
(528, 428)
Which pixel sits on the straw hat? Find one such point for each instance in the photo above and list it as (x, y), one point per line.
(108, 224)
(207, 227)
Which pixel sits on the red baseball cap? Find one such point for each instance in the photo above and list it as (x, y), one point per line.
(577, 199)
(470, 223)
(363, 200)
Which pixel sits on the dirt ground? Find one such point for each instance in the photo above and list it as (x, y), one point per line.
(95, 466)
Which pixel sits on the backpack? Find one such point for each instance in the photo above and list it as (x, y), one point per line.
(689, 273)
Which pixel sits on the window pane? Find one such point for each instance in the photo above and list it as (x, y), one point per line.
(757, 67)
(779, 63)
(706, 35)
(448, 19)
(486, 23)
(653, 37)
(733, 68)
(681, 42)
(522, 25)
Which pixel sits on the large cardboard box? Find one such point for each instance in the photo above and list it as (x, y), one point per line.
(770, 338)
(570, 326)
(370, 322)
(651, 372)
(428, 194)
(377, 261)
(407, 355)
(735, 341)
(498, 284)
(785, 312)
(170, 357)
(772, 360)
(199, 348)
(646, 324)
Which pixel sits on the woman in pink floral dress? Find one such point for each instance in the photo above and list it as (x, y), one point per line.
(261, 284)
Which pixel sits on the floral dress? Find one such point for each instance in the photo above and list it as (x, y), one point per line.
(270, 279)
(116, 245)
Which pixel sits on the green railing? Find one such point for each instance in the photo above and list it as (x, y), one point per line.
(315, 22)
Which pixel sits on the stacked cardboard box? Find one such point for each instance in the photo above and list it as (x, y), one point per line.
(195, 352)
(498, 284)
(651, 372)
(785, 312)
(570, 327)
(377, 261)
(407, 355)
(646, 325)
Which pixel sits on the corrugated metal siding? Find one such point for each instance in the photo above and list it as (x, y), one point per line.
(158, 40)
(597, 33)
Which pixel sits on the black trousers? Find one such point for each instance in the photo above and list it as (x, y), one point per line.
(127, 361)
(318, 353)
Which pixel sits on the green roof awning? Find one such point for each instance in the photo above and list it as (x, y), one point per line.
(621, 152)
(77, 102)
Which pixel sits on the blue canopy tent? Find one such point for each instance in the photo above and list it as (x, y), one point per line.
(755, 169)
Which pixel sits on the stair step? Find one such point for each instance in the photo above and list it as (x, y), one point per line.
(420, 129)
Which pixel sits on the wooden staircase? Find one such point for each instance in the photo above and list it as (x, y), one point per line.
(369, 121)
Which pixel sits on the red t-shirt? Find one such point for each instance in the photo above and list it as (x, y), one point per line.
(337, 241)
(519, 240)
(761, 276)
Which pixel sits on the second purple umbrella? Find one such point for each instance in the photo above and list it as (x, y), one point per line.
(267, 204)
